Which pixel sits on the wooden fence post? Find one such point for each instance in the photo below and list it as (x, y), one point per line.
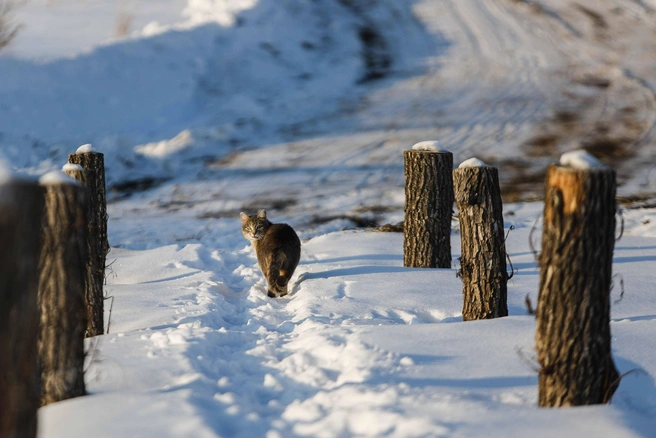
(93, 178)
(62, 277)
(573, 315)
(483, 255)
(21, 204)
(428, 206)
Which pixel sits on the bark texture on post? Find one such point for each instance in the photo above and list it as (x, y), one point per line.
(483, 259)
(573, 314)
(93, 177)
(428, 209)
(63, 267)
(21, 208)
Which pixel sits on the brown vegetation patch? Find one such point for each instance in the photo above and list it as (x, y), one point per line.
(525, 185)
(124, 189)
(390, 228)
(269, 204)
(594, 81)
(609, 149)
(597, 19)
(628, 110)
(566, 116)
(123, 23)
(214, 163)
(358, 221)
(376, 209)
(534, 6)
(543, 145)
(644, 200)
(219, 214)
(520, 180)
(513, 164)
(8, 29)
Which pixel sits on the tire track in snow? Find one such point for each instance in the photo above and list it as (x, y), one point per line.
(617, 118)
(494, 103)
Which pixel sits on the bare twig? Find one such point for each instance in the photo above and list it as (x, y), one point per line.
(620, 211)
(94, 357)
(609, 397)
(91, 355)
(510, 228)
(512, 268)
(112, 273)
(530, 238)
(612, 286)
(530, 361)
(529, 306)
(111, 306)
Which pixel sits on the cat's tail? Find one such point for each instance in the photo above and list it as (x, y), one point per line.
(279, 277)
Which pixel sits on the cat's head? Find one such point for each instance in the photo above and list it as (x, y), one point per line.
(254, 227)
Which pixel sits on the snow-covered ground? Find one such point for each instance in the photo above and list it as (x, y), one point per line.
(204, 87)
(205, 108)
(362, 347)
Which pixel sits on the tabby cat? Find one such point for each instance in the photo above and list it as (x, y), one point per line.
(277, 247)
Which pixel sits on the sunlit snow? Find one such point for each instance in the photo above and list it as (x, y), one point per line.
(472, 162)
(206, 108)
(580, 159)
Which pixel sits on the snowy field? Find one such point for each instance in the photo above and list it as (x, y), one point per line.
(205, 108)
(362, 347)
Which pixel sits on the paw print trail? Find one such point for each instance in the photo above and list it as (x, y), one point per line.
(240, 338)
(209, 343)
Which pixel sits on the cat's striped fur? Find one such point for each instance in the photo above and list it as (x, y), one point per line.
(278, 250)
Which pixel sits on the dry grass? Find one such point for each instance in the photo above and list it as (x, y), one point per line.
(123, 23)
(8, 28)
(597, 19)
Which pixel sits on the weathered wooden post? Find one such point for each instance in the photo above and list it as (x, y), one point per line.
(483, 255)
(428, 206)
(21, 204)
(93, 178)
(63, 267)
(573, 314)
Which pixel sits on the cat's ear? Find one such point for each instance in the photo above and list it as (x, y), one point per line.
(261, 214)
(243, 216)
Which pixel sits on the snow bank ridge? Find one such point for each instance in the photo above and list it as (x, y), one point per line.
(223, 12)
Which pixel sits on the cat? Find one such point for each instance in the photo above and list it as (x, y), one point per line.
(277, 247)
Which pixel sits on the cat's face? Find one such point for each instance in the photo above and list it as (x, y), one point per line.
(254, 227)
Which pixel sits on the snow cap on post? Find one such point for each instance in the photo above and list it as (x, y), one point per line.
(472, 162)
(85, 148)
(70, 167)
(580, 160)
(432, 146)
(57, 177)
